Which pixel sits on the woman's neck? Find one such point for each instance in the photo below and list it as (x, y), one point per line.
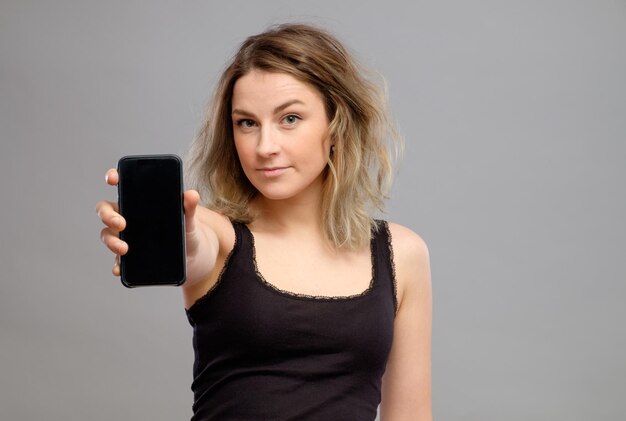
(289, 215)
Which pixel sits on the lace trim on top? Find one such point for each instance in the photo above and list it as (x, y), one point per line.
(219, 277)
(393, 266)
(303, 296)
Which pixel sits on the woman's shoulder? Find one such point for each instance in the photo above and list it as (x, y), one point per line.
(411, 259)
(405, 241)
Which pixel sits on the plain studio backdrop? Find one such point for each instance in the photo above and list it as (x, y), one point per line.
(514, 115)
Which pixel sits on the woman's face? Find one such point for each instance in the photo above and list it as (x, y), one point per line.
(281, 134)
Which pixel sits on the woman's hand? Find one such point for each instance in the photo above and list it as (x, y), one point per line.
(109, 214)
(201, 242)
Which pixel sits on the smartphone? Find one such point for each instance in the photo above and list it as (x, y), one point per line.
(150, 198)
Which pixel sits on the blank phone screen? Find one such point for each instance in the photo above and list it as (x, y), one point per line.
(150, 199)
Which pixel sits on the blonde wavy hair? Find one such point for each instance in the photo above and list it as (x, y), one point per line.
(360, 168)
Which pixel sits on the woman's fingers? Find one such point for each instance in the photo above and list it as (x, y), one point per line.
(108, 213)
(112, 177)
(116, 268)
(112, 241)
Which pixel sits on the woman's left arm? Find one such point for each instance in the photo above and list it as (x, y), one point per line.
(406, 388)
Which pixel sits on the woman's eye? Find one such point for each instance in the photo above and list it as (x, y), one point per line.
(291, 119)
(245, 123)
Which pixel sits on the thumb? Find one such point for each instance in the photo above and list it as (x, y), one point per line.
(191, 198)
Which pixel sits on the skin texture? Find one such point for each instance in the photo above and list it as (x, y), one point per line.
(280, 129)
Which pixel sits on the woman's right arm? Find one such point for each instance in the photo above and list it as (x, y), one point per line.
(207, 236)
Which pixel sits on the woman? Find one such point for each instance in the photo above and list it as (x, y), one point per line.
(303, 306)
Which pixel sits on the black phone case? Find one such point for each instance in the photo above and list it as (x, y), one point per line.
(133, 281)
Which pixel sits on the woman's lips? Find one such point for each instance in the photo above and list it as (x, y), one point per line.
(273, 171)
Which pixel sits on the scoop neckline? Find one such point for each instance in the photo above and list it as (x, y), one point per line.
(308, 297)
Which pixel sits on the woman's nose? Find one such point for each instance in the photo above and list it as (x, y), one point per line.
(267, 144)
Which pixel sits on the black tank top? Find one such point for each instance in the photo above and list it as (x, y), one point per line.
(262, 353)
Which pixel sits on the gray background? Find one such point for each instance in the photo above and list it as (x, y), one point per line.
(514, 115)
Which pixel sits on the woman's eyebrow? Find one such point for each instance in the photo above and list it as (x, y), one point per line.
(287, 104)
(276, 110)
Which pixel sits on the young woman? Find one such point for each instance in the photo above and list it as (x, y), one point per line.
(303, 306)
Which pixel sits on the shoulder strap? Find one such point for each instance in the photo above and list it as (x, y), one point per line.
(245, 242)
(384, 258)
